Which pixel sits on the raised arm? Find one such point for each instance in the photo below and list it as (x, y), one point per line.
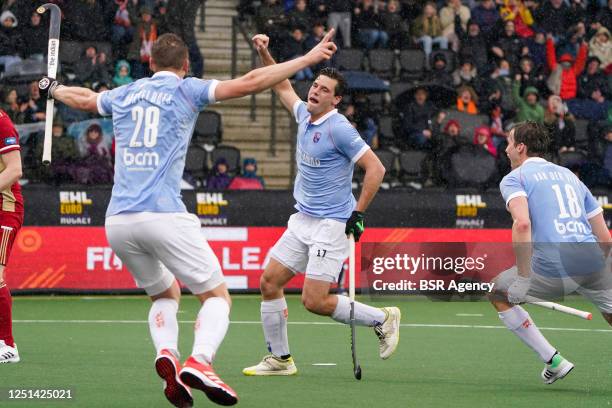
(263, 78)
(76, 97)
(283, 89)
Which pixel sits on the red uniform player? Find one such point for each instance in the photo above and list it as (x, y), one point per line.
(11, 219)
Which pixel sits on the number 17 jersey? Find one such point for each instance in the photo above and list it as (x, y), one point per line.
(153, 120)
(560, 205)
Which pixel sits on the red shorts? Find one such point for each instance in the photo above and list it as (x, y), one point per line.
(10, 223)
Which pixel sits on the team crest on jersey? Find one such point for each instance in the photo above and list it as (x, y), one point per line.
(316, 137)
(10, 141)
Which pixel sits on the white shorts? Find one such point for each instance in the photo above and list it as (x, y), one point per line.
(316, 246)
(596, 287)
(157, 247)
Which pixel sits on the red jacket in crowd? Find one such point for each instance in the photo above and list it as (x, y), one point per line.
(568, 87)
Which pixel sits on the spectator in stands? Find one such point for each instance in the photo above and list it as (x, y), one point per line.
(473, 45)
(181, 20)
(36, 106)
(162, 16)
(363, 119)
(515, 10)
(271, 20)
(570, 43)
(88, 20)
(563, 80)
(448, 138)
(604, 17)
(467, 100)
(500, 82)
(92, 68)
(395, 26)
(11, 42)
(598, 171)
(594, 109)
(528, 107)
(294, 48)
(487, 17)
(593, 78)
(554, 16)
(64, 152)
(560, 124)
(12, 107)
(482, 137)
(35, 37)
(300, 16)
(600, 46)
(466, 74)
(448, 15)
(529, 76)
(145, 35)
(122, 73)
(427, 30)
(509, 46)
(339, 17)
(416, 120)
(439, 74)
(249, 170)
(220, 179)
(367, 22)
(536, 49)
(96, 165)
(496, 124)
(122, 31)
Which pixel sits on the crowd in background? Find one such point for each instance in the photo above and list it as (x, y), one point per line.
(543, 60)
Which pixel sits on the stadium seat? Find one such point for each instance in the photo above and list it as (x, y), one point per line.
(229, 153)
(349, 59)
(412, 64)
(450, 59)
(301, 88)
(387, 158)
(398, 88)
(25, 71)
(195, 162)
(208, 128)
(572, 160)
(382, 63)
(471, 166)
(467, 122)
(582, 134)
(411, 165)
(70, 52)
(386, 135)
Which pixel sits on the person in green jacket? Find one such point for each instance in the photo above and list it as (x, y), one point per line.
(528, 107)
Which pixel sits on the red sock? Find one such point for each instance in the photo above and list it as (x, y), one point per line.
(6, 320)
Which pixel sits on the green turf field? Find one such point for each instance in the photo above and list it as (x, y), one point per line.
(100, 348)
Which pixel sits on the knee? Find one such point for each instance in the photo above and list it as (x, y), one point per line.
(311, 303)
(267, 285)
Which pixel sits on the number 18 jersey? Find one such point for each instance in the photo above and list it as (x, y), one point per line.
(560, 205)
(153, 120)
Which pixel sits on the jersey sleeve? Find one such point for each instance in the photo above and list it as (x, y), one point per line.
(201, 92)
(105, 100)
(591, 205)
(348, 141)
(9, 138)
(511, 187)
(300, 113)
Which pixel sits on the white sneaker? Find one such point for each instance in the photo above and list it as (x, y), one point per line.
(557, 369)
(388, 332)
(272, 365)
(8, 354)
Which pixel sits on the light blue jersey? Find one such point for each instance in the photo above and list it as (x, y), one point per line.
(153, 120)
(327, 150)
(560, 207)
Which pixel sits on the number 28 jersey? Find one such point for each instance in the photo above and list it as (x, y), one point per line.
(153, 120)
(560, 205)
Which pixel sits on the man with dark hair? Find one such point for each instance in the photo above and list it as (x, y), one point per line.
(560, 240)
(146, 221)
(315, 242)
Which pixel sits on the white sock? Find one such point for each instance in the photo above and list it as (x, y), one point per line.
(163, 325)
(364, 315)
(518, 321)
(274, 321)
(210, 328)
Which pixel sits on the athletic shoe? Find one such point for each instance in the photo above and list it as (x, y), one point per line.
(272, 365)
(202, 377)
(557, 369)
(388, 332)
(167, 367)
(8, 354)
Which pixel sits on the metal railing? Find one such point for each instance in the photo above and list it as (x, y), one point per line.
(237, 27)
(203, 16)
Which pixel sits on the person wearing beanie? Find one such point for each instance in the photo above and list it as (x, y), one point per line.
(220, 179)
(482, 137)
(528, 107)
(563, 80)
(122, 73)
(11, 41)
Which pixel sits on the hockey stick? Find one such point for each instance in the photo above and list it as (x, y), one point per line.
(356, 366)
(559, 308)
(52, 60)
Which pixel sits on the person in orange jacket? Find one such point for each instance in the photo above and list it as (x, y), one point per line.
(563, 80)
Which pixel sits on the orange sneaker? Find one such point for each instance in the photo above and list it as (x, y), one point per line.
(167, 367)
(202, 377)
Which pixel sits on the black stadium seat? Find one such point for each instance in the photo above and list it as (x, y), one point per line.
(387, 158)
(467, 122)
(349, 59)
(471, 166)
(412, 64)
(386, 135)
(382, 63)
(582, 135)
(208, 128)
(195, 162)
(301, 88)
(411, 165)
(572, 160)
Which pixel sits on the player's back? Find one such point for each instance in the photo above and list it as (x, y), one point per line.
(153, 120)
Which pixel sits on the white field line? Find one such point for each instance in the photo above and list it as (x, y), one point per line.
(412, 325)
